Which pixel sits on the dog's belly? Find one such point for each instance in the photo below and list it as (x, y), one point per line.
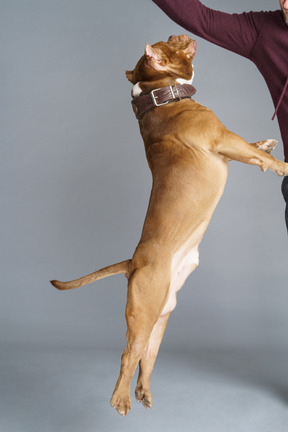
(184, 261)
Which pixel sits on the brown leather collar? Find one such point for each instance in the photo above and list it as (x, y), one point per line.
(162, 96)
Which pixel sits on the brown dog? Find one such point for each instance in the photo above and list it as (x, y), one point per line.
(187, 150)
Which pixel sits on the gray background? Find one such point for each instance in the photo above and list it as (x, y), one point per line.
(74, 191)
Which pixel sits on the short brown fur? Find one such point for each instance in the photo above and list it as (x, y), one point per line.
(187, 149)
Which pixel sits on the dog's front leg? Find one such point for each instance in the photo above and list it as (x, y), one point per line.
(236, 148)
(147, 293)
(146, 365)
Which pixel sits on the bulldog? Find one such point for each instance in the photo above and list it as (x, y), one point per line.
(188, 150)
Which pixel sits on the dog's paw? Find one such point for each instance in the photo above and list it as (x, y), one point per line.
(282, 170)
(122, 403)
(267, 146)
(144, 396)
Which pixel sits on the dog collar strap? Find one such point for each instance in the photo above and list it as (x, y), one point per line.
(161, 96)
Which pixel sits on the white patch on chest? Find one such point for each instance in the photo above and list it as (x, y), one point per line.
(183, 81)
(184, 261)
(136, 91)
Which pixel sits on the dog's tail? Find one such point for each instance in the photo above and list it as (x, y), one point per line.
(121, 267)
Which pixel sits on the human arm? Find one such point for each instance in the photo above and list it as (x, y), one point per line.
(235, 32)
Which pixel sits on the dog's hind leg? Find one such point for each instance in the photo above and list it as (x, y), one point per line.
(147, 362)
(147, 293)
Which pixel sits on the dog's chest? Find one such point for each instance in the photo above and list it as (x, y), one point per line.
(184, 261)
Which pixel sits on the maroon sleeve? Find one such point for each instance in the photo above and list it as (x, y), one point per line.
(235, 32)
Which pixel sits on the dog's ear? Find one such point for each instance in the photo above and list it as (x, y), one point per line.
(129, 75)
(156, 61)
(150, 52)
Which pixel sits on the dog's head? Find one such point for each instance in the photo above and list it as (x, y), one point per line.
(171, 59)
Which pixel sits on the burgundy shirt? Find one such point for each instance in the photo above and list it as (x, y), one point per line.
(262, 37)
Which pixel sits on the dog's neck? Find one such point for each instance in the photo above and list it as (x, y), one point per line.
(147, 86)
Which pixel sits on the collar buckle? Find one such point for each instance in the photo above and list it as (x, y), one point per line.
(174, 94)
(154, 97)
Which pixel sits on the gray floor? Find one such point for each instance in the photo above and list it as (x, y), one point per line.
(60, 389)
